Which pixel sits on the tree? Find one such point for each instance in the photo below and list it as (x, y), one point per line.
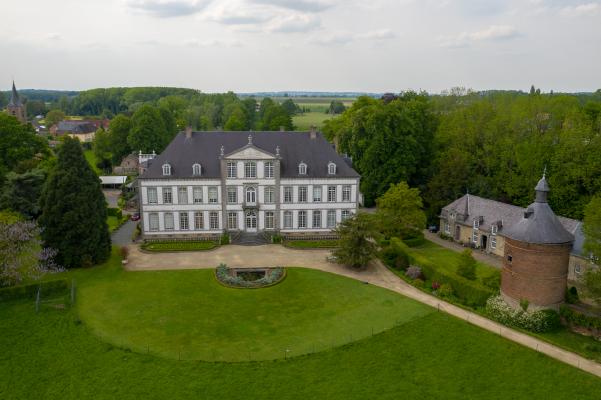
(21, 192)
(74, 210)
(592, 227)
(18, 143)
(399, 211)
(21, 254)
(148, 132)
(336, 107)
(102, 149)
(119, 129)
(290, 107)
(592, 280)
(467, 265)
(356, 241)
(53, 117)
(35, 107)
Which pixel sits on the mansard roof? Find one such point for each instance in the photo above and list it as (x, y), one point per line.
(292, 147)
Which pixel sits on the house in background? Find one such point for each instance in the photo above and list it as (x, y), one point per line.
(129, 165)
(208, 183)
(482, 224)
(84, 130)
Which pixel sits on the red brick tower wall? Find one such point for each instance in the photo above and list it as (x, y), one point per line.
(537, 273)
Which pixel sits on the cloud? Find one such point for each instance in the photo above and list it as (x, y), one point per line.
(167, 8)
(211, 43)
(311, 6)
(492, 33)
(587, 9)
(341, 39)
(382, 34)
(294, 23)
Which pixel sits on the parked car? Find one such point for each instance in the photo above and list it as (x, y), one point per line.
(135, 217)
(433, 228)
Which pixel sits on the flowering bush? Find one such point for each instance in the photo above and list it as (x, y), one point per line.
(414, 273)
(435, 285)
(535, 321)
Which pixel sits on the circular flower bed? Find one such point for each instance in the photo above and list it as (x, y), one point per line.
(249, 277)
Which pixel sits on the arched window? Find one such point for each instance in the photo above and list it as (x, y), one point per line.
(166, 169)
(332, 168)
(251, 195)
(302, 168)
(196, 169)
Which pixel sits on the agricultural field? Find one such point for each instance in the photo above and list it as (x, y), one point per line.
(314, 110)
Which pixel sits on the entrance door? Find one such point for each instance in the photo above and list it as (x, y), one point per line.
(457, 232)
(251, 221)
(484, 242)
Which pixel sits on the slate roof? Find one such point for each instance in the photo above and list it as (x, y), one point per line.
(542, 226)
(205, 148)
(75, 127)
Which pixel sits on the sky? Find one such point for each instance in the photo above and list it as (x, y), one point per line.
(309, 45)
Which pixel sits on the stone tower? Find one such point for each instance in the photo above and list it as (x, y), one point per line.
(15, 107)
(537, 252)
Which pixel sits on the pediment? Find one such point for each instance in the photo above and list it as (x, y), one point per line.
(250, 152)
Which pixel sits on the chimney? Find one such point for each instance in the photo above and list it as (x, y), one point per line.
(313, 132)
(188, 132)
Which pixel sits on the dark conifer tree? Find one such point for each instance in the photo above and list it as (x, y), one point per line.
(74, 210)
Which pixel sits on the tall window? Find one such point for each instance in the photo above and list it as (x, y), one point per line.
(151, 193)
(196, 170)
(167, 195)
(346, 214)
(214, 220)
(493, 242)
(268, 169)
(332, 193)
(232, 195)
(332, 168)
(269, 220)
(287, 219)
(197, 194)
(251, 195)
(250, 169)
(213, 198)
(232, 220)
(316, 219)
(447, 228)
(232, 170)
(153, 221)
(331, 219)
(302, 219)
(494, 229)
(475, 237)
(476, 223)
(317, 194)
(287, 194)
(269, 194)
(166, 169)
(302, 194)
(182, 195)
(346, 193)
(302, 169)
(184, 223)
(168, 221)
(199, 220)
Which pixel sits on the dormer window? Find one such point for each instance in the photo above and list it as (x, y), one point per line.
(331, 168)
(166, 169)
(302, 168)
(476, 223)
(493, 229)
(196, 169)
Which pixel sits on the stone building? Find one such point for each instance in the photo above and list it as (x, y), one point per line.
(208, 183)
(16, 107)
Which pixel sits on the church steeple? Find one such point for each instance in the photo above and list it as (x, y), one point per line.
(14, 98)
(15, 107)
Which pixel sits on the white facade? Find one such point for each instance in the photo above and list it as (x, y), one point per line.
(250, 197)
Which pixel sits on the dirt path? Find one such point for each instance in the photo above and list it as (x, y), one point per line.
(376, 274)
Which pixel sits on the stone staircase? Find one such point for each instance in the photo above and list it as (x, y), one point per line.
(249, 239)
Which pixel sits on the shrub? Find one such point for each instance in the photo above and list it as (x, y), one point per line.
(419, 283)
(435, 285)
(573, 317)
(444, 236)
(467, 265)
(415, 241)
(414, 273)
(114, 212)
(535, 321)
(395, 255)
(276, 239)
(572, 296)
(222, 273)
(492, 281)
(225, 239)
(445, 290)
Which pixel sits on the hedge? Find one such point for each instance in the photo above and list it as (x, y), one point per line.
(415, 241)
(114, 212)
(54, 287)
(576, 318)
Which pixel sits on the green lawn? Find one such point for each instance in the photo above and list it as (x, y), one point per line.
(113, 223)
(303, 122)
(180, 246)
(91, 158)
(188, 311)
(311, 244)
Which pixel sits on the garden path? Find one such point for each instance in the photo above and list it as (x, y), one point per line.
(376, 274)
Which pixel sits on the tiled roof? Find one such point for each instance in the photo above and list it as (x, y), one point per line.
(205, 148)
(75, 127)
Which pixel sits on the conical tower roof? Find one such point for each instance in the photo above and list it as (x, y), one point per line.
(15, 101)
(539, 224)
